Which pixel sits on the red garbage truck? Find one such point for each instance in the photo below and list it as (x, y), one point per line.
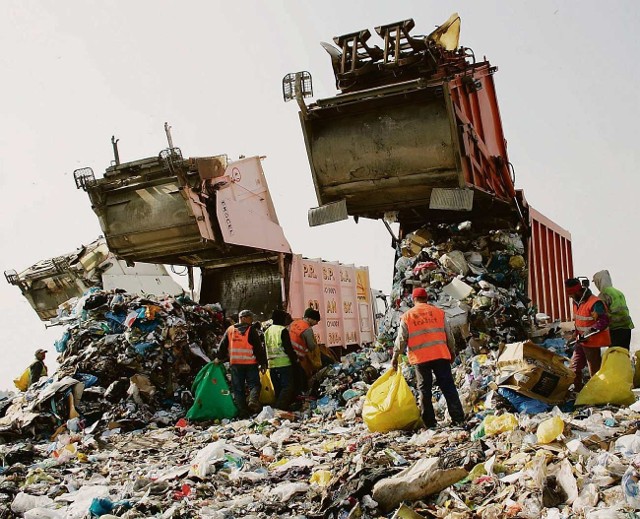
(415, 135)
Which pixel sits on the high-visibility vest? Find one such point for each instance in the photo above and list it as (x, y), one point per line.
(296, 329)
(427, 338)
(619, 317)
(240, 350)
(276, 356)
(585, 322)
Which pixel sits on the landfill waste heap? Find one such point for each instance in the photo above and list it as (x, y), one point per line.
(477, 277)
(106, 436)
(125, 361)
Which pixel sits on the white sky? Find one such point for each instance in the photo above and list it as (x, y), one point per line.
(76, 72)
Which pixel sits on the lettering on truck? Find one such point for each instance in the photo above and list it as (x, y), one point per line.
(347, 306)
(344, 276)
(334, 339)
(227, 220)
(313, 303)
(333, 324)
(327, 274)
(351, 337)
(330, 290)
(332, 306)
(308, 271)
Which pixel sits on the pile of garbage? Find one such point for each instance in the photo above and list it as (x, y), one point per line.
(318, 463)
(123, 449)
(478, 278)
(125, 361)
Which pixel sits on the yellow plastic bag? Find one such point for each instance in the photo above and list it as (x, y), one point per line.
(267, 393)
(499, 424)
(550, 429)
(390, 404)
(22, 382)
(612, 384)
(636, 373)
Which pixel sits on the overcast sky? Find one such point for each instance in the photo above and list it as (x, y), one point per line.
(76, 72)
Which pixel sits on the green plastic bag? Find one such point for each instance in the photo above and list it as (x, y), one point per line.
(212, 396)
(612, 384)
(390, 404)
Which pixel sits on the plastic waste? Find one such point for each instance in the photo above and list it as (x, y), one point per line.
(285, 491)
(267, 413)
(550, 429)
(390, 404)
(588, 498)
(267, 392)
(630, 487)
(321, 477)
(498, 424)
(24, 502)
(211, 393)
(628, 445)
(44, 513)
(524, 404)
(612, 384)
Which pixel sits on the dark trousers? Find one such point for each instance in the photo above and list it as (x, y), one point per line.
(441, 368)
(245, 377)
(583, 356)
(282, 379)
(621, 337)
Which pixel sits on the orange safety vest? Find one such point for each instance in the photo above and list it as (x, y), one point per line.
(240, 350)
(296, 329)
(427, 339)
(584, 323)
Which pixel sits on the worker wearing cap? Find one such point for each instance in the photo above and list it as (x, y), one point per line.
(591, 329)
(38, 368)
(242, 345)
(303, 340)
(620, 323)
(423, 333)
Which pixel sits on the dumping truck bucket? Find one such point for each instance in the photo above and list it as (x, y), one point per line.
(52, 282)
(193, 212)
(416, 129)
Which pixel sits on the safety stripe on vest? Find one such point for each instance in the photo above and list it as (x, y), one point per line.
(300, 350)
(423, 345)
(423, 332)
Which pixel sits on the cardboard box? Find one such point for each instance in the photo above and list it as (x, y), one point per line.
(535, 372)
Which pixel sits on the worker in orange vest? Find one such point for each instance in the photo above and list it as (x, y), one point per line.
(242, 345)
(422, 332)
(304, 344)
(591, 329)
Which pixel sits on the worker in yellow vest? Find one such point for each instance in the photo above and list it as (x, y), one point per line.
(422, 332)
(242, 345)
(33, 373)
(281, 358)
(620, 323)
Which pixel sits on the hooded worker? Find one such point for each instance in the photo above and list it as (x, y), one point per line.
(620, 323)
(423, 333)
(38, 368)
(281, 358)
(591, 329)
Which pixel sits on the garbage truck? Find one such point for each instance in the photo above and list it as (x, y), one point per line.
(217, 215)
(49, 284)
(414, 136)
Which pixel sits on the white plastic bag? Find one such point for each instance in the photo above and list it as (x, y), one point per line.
(24, 502)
